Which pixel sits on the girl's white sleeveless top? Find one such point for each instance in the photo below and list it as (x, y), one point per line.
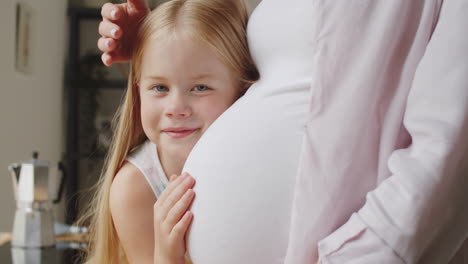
(146, 159)
(245, 164)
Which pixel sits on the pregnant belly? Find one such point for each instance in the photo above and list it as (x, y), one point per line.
(245, 167)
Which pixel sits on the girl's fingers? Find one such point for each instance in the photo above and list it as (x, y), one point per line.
(108, 29)
(111, 12)
(172, 178)
(180, 208)
(170, 188)
(179, 230)
(176, 194)
(106, 44)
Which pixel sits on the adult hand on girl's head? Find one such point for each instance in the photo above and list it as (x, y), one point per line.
(172, 219)
(118, 29)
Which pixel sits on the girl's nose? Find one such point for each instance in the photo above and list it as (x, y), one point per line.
(178, 107)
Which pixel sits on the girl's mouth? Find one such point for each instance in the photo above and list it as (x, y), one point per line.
(177, 133)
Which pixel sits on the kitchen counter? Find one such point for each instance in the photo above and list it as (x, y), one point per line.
(62, 253)
(68, 250)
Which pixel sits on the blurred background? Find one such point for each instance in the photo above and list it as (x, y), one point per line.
(56, 96)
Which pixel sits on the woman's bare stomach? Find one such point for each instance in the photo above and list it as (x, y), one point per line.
(245, 167)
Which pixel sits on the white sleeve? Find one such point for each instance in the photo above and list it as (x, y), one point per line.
(346, 245)
(419, 214)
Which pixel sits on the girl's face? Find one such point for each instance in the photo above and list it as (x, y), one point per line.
(184, 87)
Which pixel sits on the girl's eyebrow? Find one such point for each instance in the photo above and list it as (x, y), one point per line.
(202, 76)
(155, 77)
(196, 77)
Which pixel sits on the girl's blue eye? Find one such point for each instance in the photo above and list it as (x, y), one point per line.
(160, 88)
(201, 88)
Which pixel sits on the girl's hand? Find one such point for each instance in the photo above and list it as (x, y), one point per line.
(172, 219)
(118, 28)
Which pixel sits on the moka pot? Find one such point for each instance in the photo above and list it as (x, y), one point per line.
(37, 186)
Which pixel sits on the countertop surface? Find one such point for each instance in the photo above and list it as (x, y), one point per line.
(62, 253)
(67, 251)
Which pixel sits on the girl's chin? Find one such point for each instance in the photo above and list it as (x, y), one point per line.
(179, 152)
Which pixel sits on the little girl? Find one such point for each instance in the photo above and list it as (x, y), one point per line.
(190, 63)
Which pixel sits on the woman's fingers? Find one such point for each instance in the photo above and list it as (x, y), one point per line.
(120, 22)
(180, 229)
(138, 5)
(108, 29)
(106, 44)
(106, 59)
(112, 57)
(179, 209)
(111, 12)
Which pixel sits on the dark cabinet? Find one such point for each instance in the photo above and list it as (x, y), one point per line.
(85, 77)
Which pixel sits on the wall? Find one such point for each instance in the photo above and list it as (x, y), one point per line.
(251, 4)
(31, 105)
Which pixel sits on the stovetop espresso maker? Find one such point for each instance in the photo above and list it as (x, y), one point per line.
(37, 186)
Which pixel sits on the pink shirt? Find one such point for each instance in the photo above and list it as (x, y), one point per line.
(382, 175)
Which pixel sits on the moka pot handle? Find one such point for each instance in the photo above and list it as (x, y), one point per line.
(61, 167)
(15, 170)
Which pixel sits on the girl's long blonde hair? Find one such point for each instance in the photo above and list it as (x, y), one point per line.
(220, 24)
